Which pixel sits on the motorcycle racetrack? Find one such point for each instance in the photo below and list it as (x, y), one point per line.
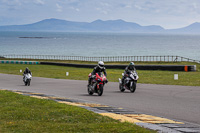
(178, 103)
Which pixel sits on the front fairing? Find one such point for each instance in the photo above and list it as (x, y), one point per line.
(28, 76)
(134, 75)
(100, 77)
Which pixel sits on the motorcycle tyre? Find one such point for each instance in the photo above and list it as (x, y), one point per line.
(133, 88)
(121, 87)
(25, 83)
(89, 92)
(28, 82)
(100, 90)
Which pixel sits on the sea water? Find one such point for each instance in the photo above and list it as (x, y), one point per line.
(99, 44)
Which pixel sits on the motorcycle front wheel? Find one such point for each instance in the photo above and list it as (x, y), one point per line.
(100, 90)
(133, 87)
(28, 82)
(90, 90)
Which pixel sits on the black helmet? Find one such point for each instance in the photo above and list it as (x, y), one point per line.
(27, 70)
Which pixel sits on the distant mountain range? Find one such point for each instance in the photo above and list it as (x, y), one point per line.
(97, 26)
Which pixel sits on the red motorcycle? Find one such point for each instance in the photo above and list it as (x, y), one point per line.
(97, 84)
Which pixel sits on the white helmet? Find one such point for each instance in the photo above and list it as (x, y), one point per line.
(101, 64)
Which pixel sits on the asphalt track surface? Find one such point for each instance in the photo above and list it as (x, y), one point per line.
(173, 102)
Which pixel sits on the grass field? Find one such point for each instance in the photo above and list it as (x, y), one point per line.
(23, 114)
(149, 77)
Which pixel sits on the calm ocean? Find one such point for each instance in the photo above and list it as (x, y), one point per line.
(99, 44)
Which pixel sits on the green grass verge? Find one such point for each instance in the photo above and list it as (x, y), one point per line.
(150, 77)
(23, 114)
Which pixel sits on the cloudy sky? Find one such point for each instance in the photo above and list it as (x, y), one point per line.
(166, 13)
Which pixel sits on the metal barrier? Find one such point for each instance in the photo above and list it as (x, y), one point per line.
(167, 58)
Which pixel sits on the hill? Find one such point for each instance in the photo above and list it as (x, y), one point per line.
(97, 26)
(193, 28)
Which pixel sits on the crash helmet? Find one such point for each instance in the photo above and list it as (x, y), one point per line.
(131, 65)
(101, 64)
(26, 69)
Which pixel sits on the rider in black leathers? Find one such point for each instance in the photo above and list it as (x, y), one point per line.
(99, 68)
(26, 71)
(128, 70)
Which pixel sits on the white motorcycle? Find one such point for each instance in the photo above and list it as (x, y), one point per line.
(129, 82)
(27, 79)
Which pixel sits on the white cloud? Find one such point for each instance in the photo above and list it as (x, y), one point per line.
(138, 7)
(104, 12)
(128, 6)
(11, 2)
(76, 9)
(105, 4)
(41, 2)
(59, 8)
(101, 10)
(195, 5)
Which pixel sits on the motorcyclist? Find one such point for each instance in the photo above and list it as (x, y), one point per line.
(99, 68)
(128, 70)
(26, 71)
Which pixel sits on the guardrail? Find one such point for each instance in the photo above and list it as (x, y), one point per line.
(168, 58)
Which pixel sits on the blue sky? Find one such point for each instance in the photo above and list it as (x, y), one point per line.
(166, 13)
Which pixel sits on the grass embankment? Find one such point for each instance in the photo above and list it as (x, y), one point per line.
(150, 77)
(23, 114)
